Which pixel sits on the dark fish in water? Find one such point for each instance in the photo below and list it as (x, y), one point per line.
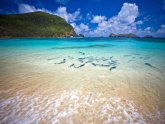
(111, 57)
(113, 61)
(82, 53)
(63, 61)
(80, 66)
(105, 59)
(114, 67)
(148, 64)
(81, 59)
(88, 61)
(73, 65)
(52, 58)
(104, 65)
(94, 64)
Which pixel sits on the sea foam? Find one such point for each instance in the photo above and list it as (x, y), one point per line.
(68, 107)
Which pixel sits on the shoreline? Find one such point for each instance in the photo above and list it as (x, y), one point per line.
(40, 79)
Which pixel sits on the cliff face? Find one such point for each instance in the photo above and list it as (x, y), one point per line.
(123, 35)
(35, 24)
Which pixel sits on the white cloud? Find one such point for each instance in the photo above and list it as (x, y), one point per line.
(124, 22)
(81, 29)
(69, 17)
(160, 32)
(25, 8)
(128, 13)
(98, 19)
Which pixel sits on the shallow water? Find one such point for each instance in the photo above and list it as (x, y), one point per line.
(85, 80)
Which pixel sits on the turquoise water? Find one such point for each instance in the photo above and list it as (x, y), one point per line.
(115, 68)
(144, 52)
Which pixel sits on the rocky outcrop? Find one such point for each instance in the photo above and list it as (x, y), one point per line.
(124, 35)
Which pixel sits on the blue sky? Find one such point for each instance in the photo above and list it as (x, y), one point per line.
(99, 17)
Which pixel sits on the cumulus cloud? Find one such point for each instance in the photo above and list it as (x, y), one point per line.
(160, 32)
(124, 22)
(98, 19)
(128, 13)
(69, 17)
(25, 8)
(81, 29)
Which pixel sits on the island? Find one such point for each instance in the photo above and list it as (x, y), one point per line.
(130, 35)
(34, 24)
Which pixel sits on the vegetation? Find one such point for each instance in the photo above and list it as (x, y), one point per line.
(35, 24)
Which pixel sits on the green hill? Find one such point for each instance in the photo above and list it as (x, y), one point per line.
(35, 24)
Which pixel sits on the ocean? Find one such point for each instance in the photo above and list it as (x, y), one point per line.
(82, 80)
